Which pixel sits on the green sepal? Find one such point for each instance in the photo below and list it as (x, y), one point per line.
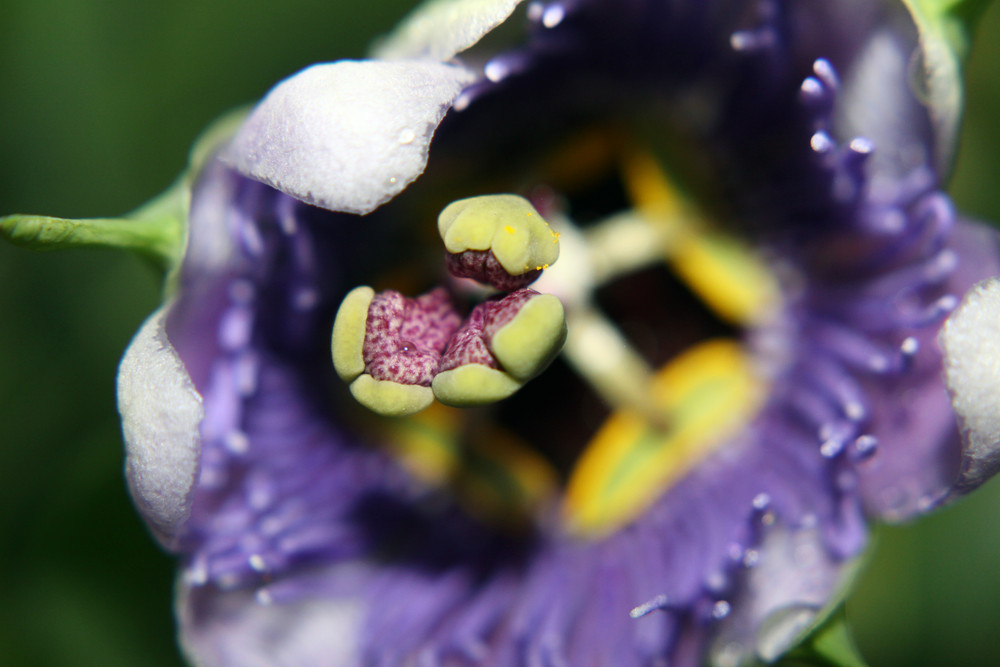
(156, 238)
(828, 644)
(946, 28)
(157, 231)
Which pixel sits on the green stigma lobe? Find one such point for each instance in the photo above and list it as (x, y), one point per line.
(507, 225)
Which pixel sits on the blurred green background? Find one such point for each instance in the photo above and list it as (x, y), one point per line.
(99, 101)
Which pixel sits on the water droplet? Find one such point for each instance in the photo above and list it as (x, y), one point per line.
(751, 557)
(392, 180)
(535, 10)
(761, 501)
(407, 136)
(263, 597)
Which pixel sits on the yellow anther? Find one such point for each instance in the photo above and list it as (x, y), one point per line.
(476, 223)
(733, 281)
(707, 394)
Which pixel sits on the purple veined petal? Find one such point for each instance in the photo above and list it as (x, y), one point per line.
(161, 412)
(347, 136)
(439, 29)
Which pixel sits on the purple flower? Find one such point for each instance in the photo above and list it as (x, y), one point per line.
(756, 260)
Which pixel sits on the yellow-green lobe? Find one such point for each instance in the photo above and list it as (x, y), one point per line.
(473, 384)
(348, 339)
(531, 340)
(508, 225)
(391, 399)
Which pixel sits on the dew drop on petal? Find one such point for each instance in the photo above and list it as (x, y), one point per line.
(406, 137)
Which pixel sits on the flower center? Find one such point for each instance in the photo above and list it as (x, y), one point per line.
(643, 413)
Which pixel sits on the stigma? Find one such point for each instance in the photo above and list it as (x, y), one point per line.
(399, 354)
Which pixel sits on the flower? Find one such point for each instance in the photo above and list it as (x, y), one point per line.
(762, 334)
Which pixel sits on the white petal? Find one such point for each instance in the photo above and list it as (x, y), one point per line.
(161, 412)
(794, 579)
(250, 629)
(970, 340)
(878, 104)
(439, 29)
(347, 136)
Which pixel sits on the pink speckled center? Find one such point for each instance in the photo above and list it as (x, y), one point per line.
(405, 337)
(483, 266)
(470, 345)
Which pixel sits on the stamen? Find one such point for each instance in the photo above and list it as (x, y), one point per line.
(599, 352)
